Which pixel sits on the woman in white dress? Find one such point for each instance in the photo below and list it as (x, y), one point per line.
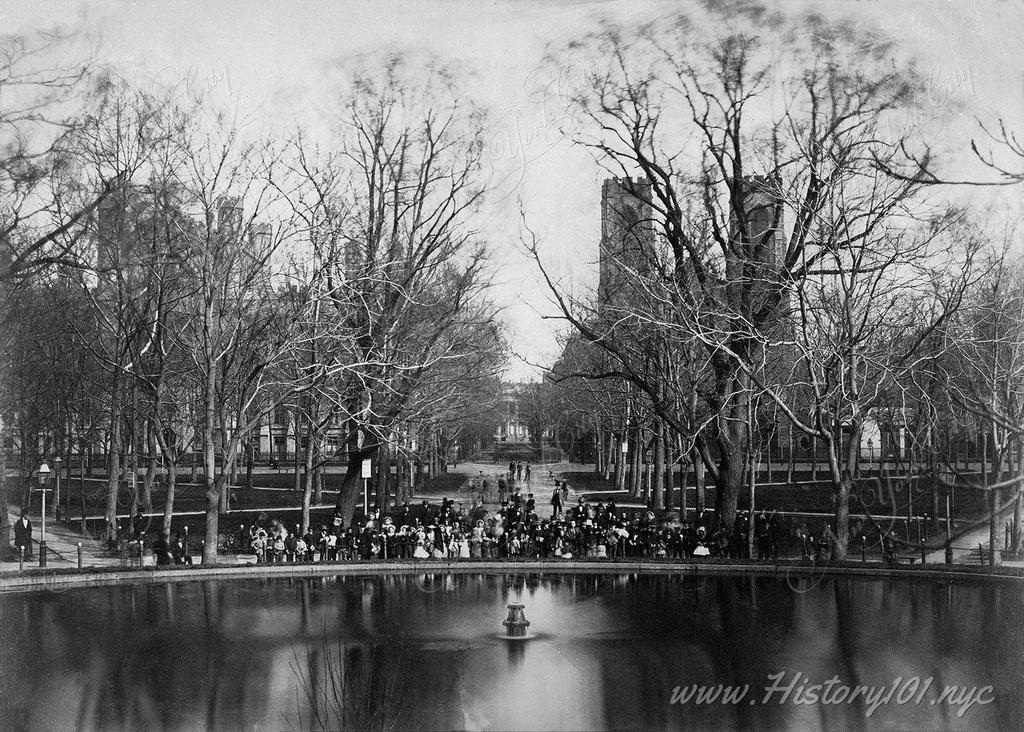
(420, 552)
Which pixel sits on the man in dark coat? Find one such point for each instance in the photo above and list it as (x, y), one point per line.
(23, 535)
(556, 502)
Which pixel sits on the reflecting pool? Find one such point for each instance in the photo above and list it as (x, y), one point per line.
(603, 652)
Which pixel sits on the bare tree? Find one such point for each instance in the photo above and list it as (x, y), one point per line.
(984, 376)
(389, 217)
(115, 143)
(44, 92)
(743, 152)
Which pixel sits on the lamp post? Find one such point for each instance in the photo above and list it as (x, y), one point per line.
(44, 473)
(56, 492)
(948, 477)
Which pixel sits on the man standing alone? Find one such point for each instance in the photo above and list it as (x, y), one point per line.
(23, 535)
(556, 502)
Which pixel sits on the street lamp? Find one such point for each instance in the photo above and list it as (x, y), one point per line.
(56, 492)
(44, 474)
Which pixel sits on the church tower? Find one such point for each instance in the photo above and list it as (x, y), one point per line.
(763, 243)
(627, 240)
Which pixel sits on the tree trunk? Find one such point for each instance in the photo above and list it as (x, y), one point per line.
(350, 490)
(842, 463)
(635, 462)
(752, 488)
(171, 479)
(842, 493)
(297, 472)
(989, 476)
(733, 434)
(113, 470)
(5, 524)
(670, 469)
(318, 483)
(24, 501)
(792, 458)
(698, 479)
(81, 483)
(658, 492)
(213, 485)
(227, 471)
(380, 476)
(307, 469)
(1018, 504)
(250, 459)
(620, 461)
(731, 470)
(684, 479)
(69, 445)
(146, 496)
(405, 480)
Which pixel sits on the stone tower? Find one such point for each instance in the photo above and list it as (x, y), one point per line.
(627, 240)
(763, 245)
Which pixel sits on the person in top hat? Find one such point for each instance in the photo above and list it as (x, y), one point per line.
(23, 535)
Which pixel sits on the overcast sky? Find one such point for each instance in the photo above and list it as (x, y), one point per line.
(268, 55)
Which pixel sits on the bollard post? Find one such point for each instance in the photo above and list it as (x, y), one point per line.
(863, 548)
(922, 552)
(79, 555)
(21, 559)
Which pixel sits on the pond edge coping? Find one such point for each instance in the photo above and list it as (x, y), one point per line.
(65, 579)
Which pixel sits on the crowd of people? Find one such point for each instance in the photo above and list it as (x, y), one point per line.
(517, 530)
(519, 527)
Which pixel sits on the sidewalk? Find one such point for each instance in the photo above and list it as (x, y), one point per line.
(540, 485)
(961, 555)
(62, 541)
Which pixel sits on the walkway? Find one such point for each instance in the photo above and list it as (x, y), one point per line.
(541, 484)
(63, 539)
(62, 542)
(966, 546)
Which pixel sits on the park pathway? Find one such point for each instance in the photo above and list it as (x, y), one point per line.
(541, 484)
(62, 542)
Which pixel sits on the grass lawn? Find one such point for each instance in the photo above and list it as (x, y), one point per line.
(877, 497)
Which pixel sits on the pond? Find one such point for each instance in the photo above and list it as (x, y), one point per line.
(604, 651)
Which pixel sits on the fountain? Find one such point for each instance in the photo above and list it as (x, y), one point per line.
(516, 622)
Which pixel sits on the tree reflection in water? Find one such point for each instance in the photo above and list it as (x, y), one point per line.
(346, 685)
(423, 651)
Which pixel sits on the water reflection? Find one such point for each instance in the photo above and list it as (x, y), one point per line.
(423, 652)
